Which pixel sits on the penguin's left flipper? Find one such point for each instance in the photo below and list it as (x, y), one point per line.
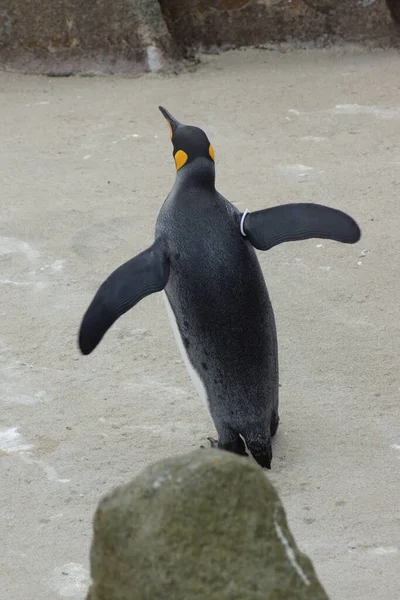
(300, 221)
(144, 274)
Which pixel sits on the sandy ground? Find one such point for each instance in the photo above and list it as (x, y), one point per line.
(85, 165)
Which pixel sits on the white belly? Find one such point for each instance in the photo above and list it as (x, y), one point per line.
(194, 376)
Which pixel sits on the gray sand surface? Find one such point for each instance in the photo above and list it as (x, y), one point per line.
(85, 164)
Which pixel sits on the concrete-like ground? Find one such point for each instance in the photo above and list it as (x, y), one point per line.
(85, 165)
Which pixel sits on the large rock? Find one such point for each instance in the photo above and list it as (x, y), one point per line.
(61, 37)
(205, 525)
(212, 24)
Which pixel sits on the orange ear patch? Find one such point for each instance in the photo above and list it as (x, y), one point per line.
(211, 152)
(180, 159)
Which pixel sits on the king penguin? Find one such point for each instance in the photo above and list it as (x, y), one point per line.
(204, 259)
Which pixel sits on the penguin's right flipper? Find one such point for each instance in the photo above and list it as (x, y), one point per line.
(299, 221)
(126, 286)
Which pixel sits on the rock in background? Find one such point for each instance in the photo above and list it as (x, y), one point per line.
(212, 24)
(208, 524)
(64, 37)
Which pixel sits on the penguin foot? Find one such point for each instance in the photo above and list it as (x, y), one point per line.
(236, 447)
(213, 442)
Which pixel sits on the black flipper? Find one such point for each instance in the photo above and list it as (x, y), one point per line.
(126, 286)
(291, 222)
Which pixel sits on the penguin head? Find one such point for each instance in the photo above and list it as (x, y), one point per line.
(189, 142)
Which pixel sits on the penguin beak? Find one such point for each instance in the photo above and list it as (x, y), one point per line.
(174, 123)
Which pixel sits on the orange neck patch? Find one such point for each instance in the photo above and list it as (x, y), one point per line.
(211, 152)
